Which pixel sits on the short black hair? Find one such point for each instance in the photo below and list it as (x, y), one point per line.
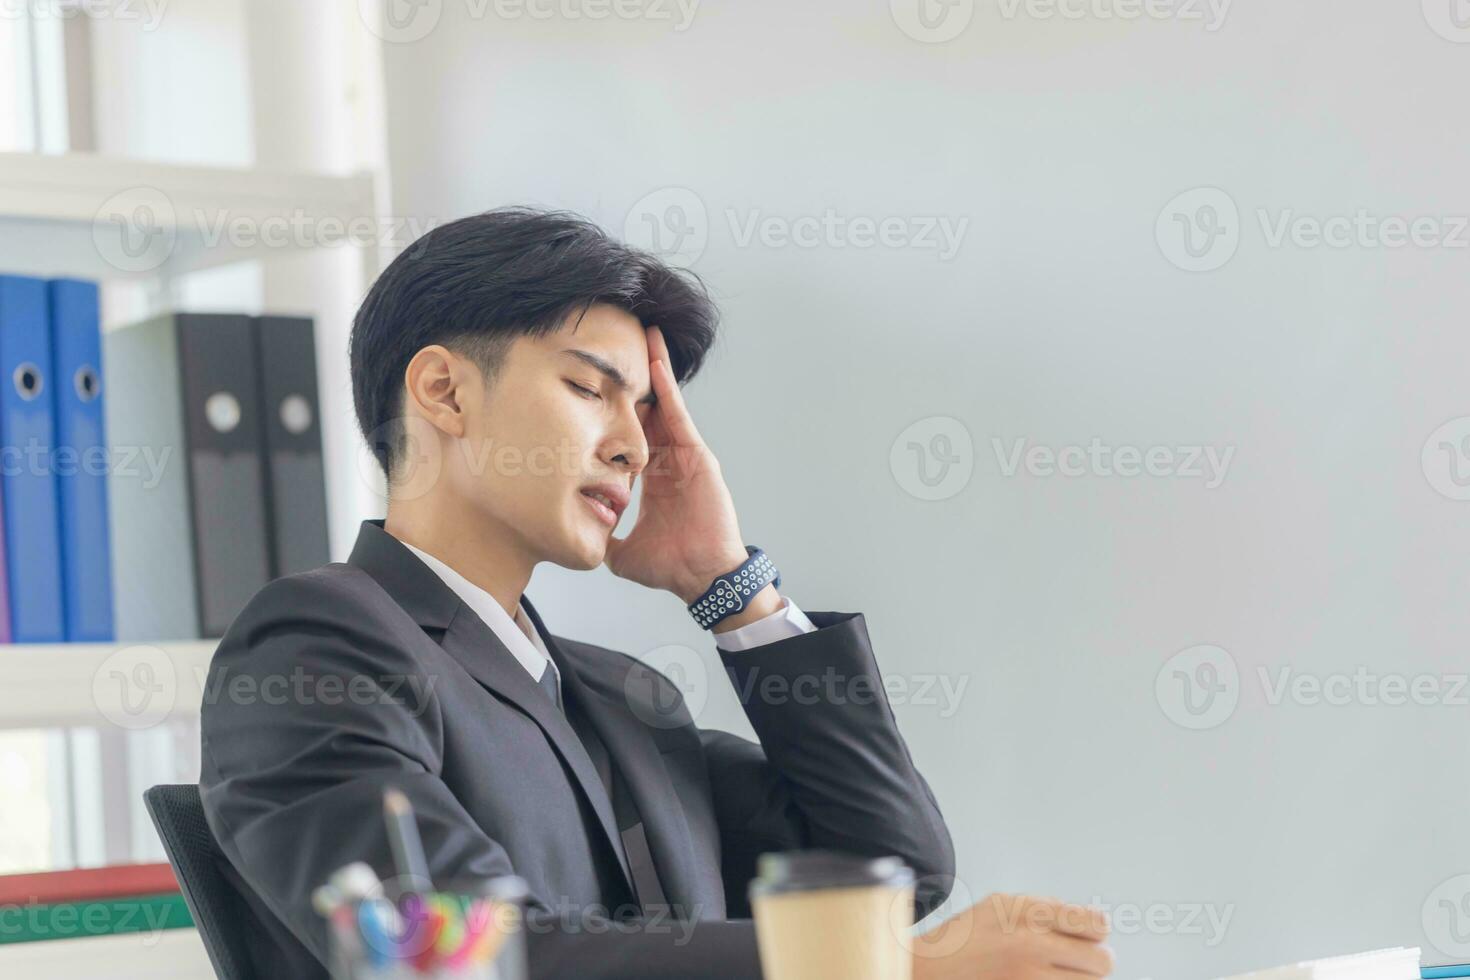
(476, 284)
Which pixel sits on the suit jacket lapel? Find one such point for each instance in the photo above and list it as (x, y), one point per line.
(467, 639)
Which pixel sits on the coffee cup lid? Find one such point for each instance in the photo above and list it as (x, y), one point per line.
(790, 871)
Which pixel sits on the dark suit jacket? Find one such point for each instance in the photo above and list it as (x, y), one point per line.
(335, 683)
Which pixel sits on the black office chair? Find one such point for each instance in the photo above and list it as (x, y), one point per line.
(230, 928)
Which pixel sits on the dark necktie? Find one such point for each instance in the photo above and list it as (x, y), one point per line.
(548, 684)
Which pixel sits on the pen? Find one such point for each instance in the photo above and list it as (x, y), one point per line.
(454, 928)
(481, 936)
(403, 838)
(377, 934)
(427, 952)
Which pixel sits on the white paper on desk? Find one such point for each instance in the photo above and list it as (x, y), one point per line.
(1383, 964)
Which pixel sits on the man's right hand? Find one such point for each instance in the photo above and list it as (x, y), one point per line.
(1014, 937)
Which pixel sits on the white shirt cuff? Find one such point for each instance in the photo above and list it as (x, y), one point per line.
(785, 622)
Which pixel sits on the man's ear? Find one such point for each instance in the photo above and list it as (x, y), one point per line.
(436, 380)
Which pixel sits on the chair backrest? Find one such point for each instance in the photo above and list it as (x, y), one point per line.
(225, 921)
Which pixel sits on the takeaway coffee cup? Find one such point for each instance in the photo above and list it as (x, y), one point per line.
(821, 915)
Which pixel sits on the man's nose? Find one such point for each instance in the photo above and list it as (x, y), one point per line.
(629, 449)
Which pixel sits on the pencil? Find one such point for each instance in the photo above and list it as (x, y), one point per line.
(403, 838)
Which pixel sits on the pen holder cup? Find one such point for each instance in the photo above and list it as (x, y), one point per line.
(465, 934)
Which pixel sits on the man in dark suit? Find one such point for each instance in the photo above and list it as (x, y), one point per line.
(514, 373)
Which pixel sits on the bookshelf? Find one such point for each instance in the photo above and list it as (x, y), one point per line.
(77, 683)
(71, 213)
(58, 216)
(299, 174)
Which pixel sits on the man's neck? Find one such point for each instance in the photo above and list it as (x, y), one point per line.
(485, 554)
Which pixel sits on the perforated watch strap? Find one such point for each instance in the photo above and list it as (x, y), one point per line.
(728, 594)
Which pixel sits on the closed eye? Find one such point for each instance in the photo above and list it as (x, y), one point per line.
(585, 391)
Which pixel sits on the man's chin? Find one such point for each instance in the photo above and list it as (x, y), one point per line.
(583, 555)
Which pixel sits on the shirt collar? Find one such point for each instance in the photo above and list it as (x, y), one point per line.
(519, 634)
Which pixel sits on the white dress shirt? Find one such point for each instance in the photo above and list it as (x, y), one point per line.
(525, 644)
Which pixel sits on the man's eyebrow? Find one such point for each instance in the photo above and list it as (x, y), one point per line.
(612, 373)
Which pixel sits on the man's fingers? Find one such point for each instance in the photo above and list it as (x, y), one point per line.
(610, 554)
(1084, 922)
(1024, 913)
(1051, 937)
(1081, 921)
(1080, 956)
(657, 347)
(677, 422)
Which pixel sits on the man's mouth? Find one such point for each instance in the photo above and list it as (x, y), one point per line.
(607, 500)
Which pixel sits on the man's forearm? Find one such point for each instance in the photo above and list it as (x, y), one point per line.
(818, 706)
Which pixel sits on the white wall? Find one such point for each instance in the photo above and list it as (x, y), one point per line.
(171, 82)
(1059, 600)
